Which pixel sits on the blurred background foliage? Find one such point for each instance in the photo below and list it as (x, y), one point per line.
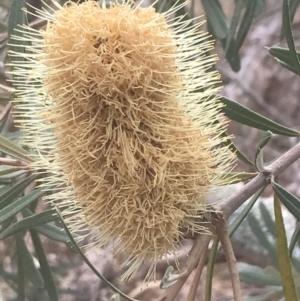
(257, 42)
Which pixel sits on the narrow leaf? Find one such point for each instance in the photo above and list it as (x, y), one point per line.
(4, 119)
(256, 275)
(232, 55)
(243, 115)
(285, 267)
(30, 222)
(19, 205)
(7, 197)
(235, 150)
(282, 54)
(237, 177)
(267, 219)
(234, 23)
(21, 274)
(29, 266)
(284, 57)
(10, 148)
(294, 239)
(236, 223)
(210, 269)
(53, 232)
(78, 250)
(274, 295)
(291, 202)
(45, 267)
(259, 161)
(8, 171)
(16, 17)
(293, 8)
(262, 237)
(245, 24)
(216, 17)
(287, 26)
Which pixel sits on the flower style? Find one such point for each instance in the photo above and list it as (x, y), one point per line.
(121, 110)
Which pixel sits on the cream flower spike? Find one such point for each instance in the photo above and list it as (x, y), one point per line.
(122, 114)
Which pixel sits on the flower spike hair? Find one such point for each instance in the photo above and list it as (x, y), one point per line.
(120, 108)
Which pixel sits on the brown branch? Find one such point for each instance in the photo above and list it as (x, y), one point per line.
(193, 289)
(223, 235)
(228, 207)
(13, 162)
(233, 202)
(194, 258)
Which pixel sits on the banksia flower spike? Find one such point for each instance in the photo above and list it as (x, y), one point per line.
(121, 109)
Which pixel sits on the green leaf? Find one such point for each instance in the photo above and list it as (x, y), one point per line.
(282, 54)
(287, 26)
(4, 119)
(10, 148)
(216, 17)
(21, 274)
(8, 196)
(16, 17)
(45, 267)
(285, 267)
(293, 7)
(284, 57)
(9, 171)
(53, 232)
(274, 295)
(210, 269)
(291, 202)
(232, 55)
(245, 24)
(267, 219)
(256, 275)
(294, 239)
(236, 223)
(3, 27)
(235, 150)
(243, 115)
(237, 177)
(19, 205)
(29, 266)
(99, 275)
(163, 6)
(30, 222)
(262, 237)
(234, 23)
(259, 161)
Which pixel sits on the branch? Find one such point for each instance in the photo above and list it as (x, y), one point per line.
(228, 206)
(195, 256)
(223, 235)
(233, 202)
(13, 162)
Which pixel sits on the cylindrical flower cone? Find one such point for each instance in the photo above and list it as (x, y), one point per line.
(121, 113)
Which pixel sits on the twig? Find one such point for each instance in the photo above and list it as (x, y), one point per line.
(13, 162)
(196, 257)
(228, 207)
(233, 202)
(223, 236)
(193, 289)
